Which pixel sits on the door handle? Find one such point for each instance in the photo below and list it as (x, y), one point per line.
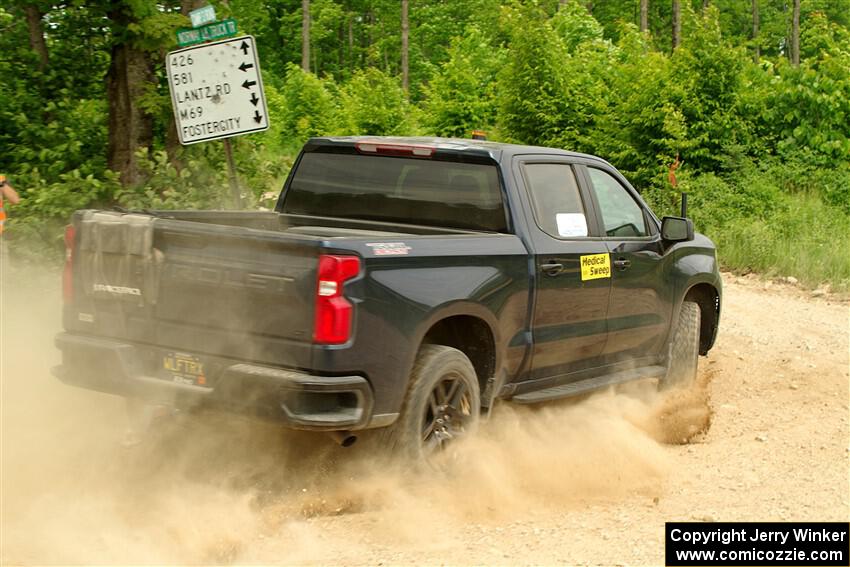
(552, 269)
(622, 263)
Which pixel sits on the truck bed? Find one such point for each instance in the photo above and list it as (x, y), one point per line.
(237, 285)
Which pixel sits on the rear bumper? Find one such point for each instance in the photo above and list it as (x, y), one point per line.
(296, 398)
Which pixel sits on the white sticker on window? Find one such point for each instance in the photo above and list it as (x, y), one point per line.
(571, 224)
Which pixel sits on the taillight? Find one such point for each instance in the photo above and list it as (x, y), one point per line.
(332, 323)
(68, 272)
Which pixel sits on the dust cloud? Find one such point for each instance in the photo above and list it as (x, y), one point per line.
(217, 489)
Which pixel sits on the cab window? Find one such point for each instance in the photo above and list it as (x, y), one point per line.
(555, 198)
(622, 216)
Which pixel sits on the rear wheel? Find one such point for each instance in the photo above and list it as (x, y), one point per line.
(684, 351)
(443, 403)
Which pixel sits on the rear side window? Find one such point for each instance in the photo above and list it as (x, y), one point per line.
(397, 189)
(622, 216)
(558, 209)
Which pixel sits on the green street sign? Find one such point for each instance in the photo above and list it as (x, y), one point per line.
(202, 16)
(209, 32)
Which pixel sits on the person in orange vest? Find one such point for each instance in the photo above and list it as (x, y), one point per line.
(7, 193)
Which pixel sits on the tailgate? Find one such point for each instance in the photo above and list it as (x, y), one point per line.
(202, 287)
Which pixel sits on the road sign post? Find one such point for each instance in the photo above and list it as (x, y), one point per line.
(231, 168)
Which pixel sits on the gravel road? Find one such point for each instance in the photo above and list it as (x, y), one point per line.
(581, 482)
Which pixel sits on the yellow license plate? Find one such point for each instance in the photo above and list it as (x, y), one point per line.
(184, 369)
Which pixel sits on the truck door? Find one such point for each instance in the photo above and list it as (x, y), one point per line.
(572, 276)
(639, 310)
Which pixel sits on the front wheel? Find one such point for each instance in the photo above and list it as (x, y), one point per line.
(443, 403)
(684, 351)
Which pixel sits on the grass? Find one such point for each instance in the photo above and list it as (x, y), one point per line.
(803, 238)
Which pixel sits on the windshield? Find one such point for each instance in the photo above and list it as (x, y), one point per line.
(397, 189)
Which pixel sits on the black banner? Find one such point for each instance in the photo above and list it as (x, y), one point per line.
(691, 544)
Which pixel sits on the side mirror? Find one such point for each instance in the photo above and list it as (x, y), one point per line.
(677, 229)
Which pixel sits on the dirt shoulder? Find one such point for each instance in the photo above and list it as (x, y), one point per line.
(573, 483)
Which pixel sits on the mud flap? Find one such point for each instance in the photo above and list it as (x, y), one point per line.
(493, 390)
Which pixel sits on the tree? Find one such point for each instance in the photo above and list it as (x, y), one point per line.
(130, 71)
(36, 33)
(307, 107)
(532, 82)
(305, 35)
(755, 36)
(405, 78)
(795, 34)
(461, 96)
(644, 15)
(677, 24)
(187, 6)
(140, 31)
(374, 103)
(704, 87)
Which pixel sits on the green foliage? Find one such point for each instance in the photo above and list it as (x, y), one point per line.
(373, 102)
(461, 96)
(704, 83)
(836, 188)
(746, 191)
(306, 107)
(769, 217)
(809, 105)
(262, 167)
(802, 240)
(154, 29)
(820, 37)
(71, 138)
(202, 181)
(72, 191)
(328, 18)
(195, 186)
(35, 224)
(643, 129)
(531, 84)
(576, 27)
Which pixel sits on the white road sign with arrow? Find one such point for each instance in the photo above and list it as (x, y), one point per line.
(216, 90)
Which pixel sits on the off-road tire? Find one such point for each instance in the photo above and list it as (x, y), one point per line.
(684, 350)
(435, 366)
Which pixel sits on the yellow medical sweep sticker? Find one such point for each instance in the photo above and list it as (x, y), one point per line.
(595, 266)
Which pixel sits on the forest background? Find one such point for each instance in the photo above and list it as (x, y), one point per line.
(753, 96)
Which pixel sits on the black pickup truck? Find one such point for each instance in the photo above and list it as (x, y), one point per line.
(401, 285)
